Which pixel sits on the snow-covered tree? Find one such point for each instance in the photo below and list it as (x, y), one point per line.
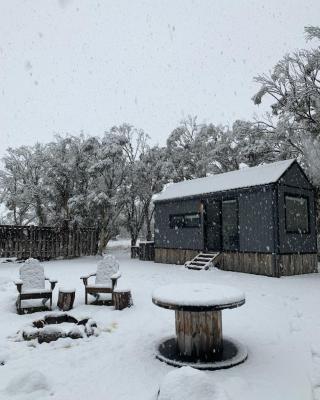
(146, 172)
(22, 178)
(134, 143)
(294, 86)
(184, 150)
(103, 200)
(293, 128)
(13, 196)
(196, 150)
(68, 160)
(219, 145)
(154, 172)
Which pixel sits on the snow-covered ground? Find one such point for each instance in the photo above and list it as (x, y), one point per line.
(280, 324)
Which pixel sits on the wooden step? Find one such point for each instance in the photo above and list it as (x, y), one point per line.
(197, 267)
(195, 262)
(201, 261)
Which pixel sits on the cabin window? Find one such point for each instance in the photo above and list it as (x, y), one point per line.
(297, 214)
(184, 221)
(176, 221)
(230, 229)
(192, 220)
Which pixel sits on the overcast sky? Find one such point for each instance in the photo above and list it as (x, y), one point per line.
(72, 65)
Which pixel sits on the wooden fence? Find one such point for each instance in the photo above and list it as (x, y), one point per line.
(47, 242)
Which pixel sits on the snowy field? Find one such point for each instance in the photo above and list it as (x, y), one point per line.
(280, 324)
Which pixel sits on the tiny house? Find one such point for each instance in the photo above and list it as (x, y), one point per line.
(261, 220)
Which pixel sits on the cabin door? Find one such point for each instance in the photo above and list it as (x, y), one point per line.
(230, 225)
(212, 225)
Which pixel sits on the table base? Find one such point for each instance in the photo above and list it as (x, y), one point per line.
(233, 353)
(199, 334)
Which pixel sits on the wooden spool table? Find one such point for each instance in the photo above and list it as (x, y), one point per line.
(66, 299)
(198, 322)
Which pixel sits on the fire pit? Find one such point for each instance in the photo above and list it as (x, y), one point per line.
(55, 326)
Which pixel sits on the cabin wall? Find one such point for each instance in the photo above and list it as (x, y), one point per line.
(173, 256)
(249, 263)
(295, 177)
(295, 182)
(296, 242)
(268, 264)
(182, 238)
(297, 264)
(256, 221)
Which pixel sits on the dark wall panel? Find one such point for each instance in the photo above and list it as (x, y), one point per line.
(256, 221)
(182, 238)
(295, 177)
(296, 242)
(212, 225)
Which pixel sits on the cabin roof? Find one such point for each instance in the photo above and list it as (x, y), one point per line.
(242, 178)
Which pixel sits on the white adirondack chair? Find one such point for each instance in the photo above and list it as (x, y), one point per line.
(107, 276)
(31, 284)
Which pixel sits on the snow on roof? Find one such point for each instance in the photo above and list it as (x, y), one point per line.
(245, 177)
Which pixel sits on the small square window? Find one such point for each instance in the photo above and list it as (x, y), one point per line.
(176, 221)
(297, 214)
(184, 221)
(192, 220)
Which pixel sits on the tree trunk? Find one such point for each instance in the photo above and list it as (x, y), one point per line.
(149, 233)
(15, 215)
(39, 212)
(103, 241)
(317, 201)
(148, 219)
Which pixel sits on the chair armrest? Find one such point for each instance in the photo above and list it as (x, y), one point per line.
(114, 279)
(19, 284)
(50, 280)
(117, 275)
(86, 277)
(52, 283)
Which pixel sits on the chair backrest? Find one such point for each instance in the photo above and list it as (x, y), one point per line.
(107, 267)
(32, 274)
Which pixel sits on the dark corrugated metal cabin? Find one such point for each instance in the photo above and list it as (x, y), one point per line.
(261, 220)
